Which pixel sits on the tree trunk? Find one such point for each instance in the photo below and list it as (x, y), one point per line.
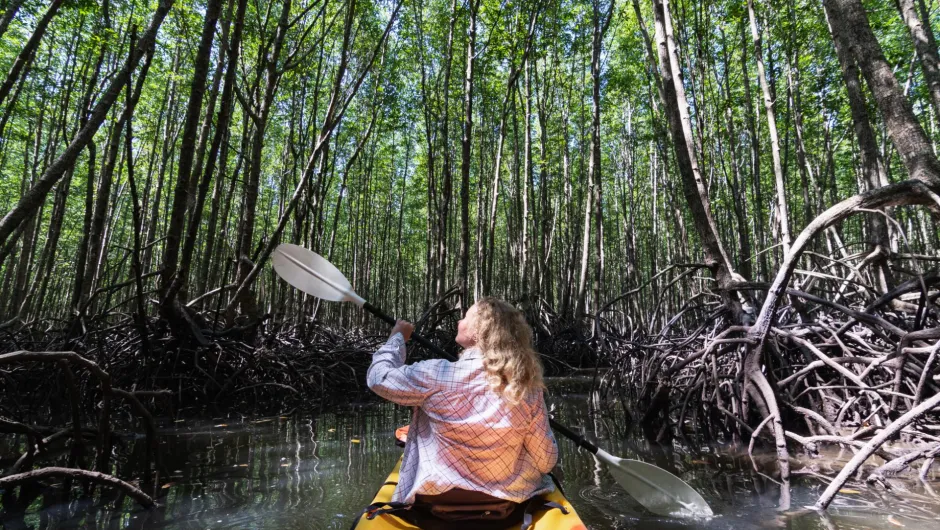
(581, 304)
(217, 152)
(925, 45)
(260, 116)
(908, 136)
(696, 195)
(525, 261)
(544, 286)
(739, 196)
(756, 187)
(140, 316)
(81, 258)
(872, 169)
(601, 24)
(444, 195)
(181, 197)
(779, 178)
(465, 143)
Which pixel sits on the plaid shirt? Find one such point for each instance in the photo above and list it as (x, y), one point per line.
(464, 435)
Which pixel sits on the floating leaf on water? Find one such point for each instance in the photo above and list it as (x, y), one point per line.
(242, 465)
(894, 520)
(221, 425)
(851, 492)
(355, 440)
(285, 465)
(331, 430)
(179, 421)
(167, 485)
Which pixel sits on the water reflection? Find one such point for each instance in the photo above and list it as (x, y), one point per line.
(320, 471)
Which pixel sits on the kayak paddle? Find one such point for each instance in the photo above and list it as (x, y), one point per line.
(656, 489)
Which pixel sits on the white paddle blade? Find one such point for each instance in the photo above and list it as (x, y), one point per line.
(312, 274)
(658, 490)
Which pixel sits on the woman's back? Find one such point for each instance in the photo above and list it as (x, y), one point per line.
(464, 435)
(475, 426)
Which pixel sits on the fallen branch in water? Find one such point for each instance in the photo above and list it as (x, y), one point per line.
(90, 476)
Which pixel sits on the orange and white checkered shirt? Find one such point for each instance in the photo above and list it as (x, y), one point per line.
(463, 434)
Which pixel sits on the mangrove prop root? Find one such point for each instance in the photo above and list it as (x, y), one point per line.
(846, 358)
(901, 463)
(870, 448)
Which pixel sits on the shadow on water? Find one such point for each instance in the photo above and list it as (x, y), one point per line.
(315, 472)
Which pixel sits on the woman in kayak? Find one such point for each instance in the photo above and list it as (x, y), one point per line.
(480, 434)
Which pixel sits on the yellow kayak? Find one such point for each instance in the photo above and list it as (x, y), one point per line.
(553, 519)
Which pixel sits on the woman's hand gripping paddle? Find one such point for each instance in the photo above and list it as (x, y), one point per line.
(656, 489)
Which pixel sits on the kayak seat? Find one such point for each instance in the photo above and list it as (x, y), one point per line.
(459, 509)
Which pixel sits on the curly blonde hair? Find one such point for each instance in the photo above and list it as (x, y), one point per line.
(505, 339)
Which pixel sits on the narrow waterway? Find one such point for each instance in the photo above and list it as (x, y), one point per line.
(319, 471)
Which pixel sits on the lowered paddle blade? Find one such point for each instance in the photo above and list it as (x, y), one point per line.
(658, 490)
(312, 274)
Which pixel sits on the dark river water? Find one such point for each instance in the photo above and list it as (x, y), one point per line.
(319, 471)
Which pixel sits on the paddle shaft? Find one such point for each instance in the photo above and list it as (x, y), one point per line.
(565, 431)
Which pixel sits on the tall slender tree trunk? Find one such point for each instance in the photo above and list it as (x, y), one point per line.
(872, 169)
(261, 114)
(601, 24)
(737, 189)
(525, 260)
(581, 304)
(170, 274)
(465, 144)
(544, 286)
(696, 194)
(756, 186)
(783, 216)
(218, 152)
(140, 315)
(81, 258)
(445, 194)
